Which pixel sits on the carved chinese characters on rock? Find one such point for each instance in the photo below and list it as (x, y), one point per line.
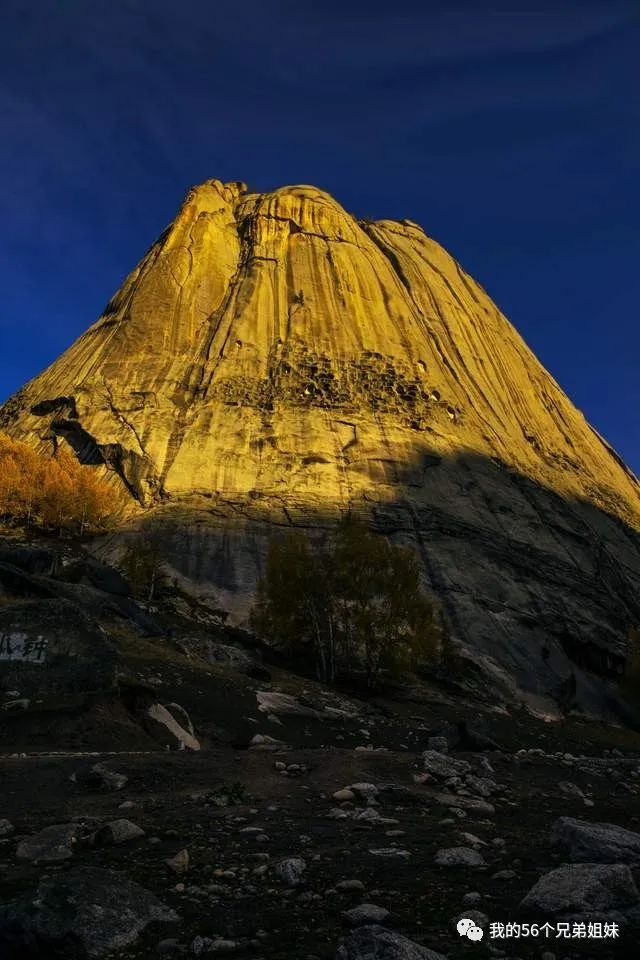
(22, 647)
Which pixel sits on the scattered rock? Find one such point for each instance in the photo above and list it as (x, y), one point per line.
(291, 870)
(100, 777)
(481, 786)
(350, 886)
(284, 705)
(371, 815)
(444, 767)
(472, 898)
(263, 742)
(118, 831)
(51, 845)
(459, 857)
(232, 656)
(6, 828)
(365, 913)
(180, 863)
(344, 795)
(366, 792)
(465, 803)
(391, 853)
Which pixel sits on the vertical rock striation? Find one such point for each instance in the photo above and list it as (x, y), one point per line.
(273, 360)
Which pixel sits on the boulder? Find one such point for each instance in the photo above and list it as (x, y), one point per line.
(377, 943)
(118, 831)
(465, 803)
(19, 941)
(442, 766)
(97, 776)
(481, 786)
(459, 857)
(584, 891)
(92, 910)
(350, 886)
(391, 853)
(261, 741)
(181, 716)
(345, 795)
(366, 792)
(161, 723)
(290, 870)
(596, 842)
(365, 913)
(179, 863)
(231, 655)
(284, 705)
(50, 845)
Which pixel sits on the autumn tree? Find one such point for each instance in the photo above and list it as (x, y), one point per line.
(20, 479)
(54, 492)
(355, 600)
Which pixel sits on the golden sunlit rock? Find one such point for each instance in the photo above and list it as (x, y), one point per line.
(272, 359)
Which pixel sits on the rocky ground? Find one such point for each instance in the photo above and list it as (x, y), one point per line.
(205, 801)
(278, 851)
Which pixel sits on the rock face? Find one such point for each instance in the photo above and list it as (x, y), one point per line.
(51, 648)
(272, 360)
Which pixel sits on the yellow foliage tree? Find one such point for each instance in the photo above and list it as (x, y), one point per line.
(50, 492)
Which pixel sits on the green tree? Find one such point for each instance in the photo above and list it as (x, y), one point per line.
(142, 562)
(384, 618)
(294, 603)
(631, 678)
(355, 601)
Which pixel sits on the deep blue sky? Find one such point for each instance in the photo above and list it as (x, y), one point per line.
(512, 137)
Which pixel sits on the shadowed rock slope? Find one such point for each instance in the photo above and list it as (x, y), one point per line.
(273, 360)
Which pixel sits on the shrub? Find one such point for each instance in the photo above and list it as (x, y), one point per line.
(50, 492)
(355, 601)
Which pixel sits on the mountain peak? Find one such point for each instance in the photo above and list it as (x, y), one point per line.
(277, 358)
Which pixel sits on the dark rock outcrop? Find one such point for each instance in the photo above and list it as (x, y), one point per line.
(50, 648)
